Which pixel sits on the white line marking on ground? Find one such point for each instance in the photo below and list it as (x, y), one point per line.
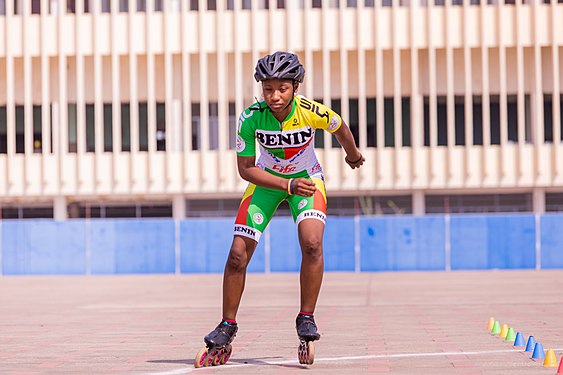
(232, 365)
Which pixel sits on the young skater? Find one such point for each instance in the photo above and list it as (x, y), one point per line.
(284, 125)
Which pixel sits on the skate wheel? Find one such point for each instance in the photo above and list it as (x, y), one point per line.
(226, 354)
(213, 357)
(201, 358)
(306, 352)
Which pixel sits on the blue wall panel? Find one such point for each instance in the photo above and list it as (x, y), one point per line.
(43, 247)
(492, 241)
(125, 246)
(117, 246)
(552, 241)
(205, 245)
(338, 244)
(285, 252)
(402, 243)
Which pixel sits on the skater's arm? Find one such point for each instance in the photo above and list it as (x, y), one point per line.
(344, 136)
(248, 170)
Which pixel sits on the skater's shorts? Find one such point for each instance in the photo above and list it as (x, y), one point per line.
(259, 204)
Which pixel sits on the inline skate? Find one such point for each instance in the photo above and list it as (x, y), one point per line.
(218, 348)
(307, 332)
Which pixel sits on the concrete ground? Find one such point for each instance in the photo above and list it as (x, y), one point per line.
(397, 323)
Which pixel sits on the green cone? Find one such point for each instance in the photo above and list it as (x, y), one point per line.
(496, 328)
(510, 335)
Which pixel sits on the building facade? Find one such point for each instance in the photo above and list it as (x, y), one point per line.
(129, 107)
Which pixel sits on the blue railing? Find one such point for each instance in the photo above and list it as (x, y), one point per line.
(388, 243)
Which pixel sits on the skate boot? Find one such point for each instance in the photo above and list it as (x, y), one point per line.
(218, 349)
(307, 332)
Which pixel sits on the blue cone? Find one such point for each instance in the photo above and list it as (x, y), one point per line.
(531, 344)
(538, 351)
(519, 340)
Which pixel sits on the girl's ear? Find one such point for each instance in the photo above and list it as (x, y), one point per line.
(295, 87)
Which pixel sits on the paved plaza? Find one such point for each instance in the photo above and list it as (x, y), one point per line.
(396, 323)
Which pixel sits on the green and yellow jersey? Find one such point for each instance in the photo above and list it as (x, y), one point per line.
(286, 148)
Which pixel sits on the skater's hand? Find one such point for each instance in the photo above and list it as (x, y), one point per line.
(303, 187)
(357, 162)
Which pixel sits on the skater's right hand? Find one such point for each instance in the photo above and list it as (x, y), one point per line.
(303, 187)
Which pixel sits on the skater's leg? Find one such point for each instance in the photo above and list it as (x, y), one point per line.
(312, 263)
(234, 276)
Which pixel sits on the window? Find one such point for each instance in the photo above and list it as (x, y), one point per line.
(108, 129)
(494, 106)
(370, 205)
(143, 127)
(389, 122)
(478, 203)
(548, 118)
(160, 127)
(196, 127)
(371, 107)
(90, 128)
(71, 118)
(3, 131)
(459, 119)
(477, 120)
(212, 207)
(406, 120)
(20, 129)
(554, 202)
(441, 121)
(21, 212)
(37, 129)
(125, 127)
(353, 120)
(35, 6)
(213, 125)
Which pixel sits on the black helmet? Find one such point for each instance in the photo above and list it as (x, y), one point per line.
(283, 65)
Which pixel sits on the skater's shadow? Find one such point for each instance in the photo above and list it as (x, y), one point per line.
(241, 361)
(264, 362)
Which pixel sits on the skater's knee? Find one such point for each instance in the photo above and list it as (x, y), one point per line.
(237, 260)
(312, 248)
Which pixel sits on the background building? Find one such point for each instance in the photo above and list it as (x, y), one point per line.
(128, 108)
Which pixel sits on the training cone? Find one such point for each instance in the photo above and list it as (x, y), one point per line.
(491, 324)
(550, 360)
(519, 340)
(538, 351)
(496, 328)
(503, 331)
(510, 335)
(531, 344)
(560, 369)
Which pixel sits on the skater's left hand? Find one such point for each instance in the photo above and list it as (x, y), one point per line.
(356, 162)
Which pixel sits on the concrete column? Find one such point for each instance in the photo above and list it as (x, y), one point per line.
(418, 204)
(59, 208)
(179, 207)
(538, 200)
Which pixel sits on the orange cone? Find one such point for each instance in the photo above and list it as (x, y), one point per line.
(491, 324)
(503, 331)
(550, 360)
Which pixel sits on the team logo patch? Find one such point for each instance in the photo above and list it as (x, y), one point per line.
(333, 123)
(258, 218)
(241, 145)
(302, 204)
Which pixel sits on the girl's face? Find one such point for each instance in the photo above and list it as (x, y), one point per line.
(278, 94)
